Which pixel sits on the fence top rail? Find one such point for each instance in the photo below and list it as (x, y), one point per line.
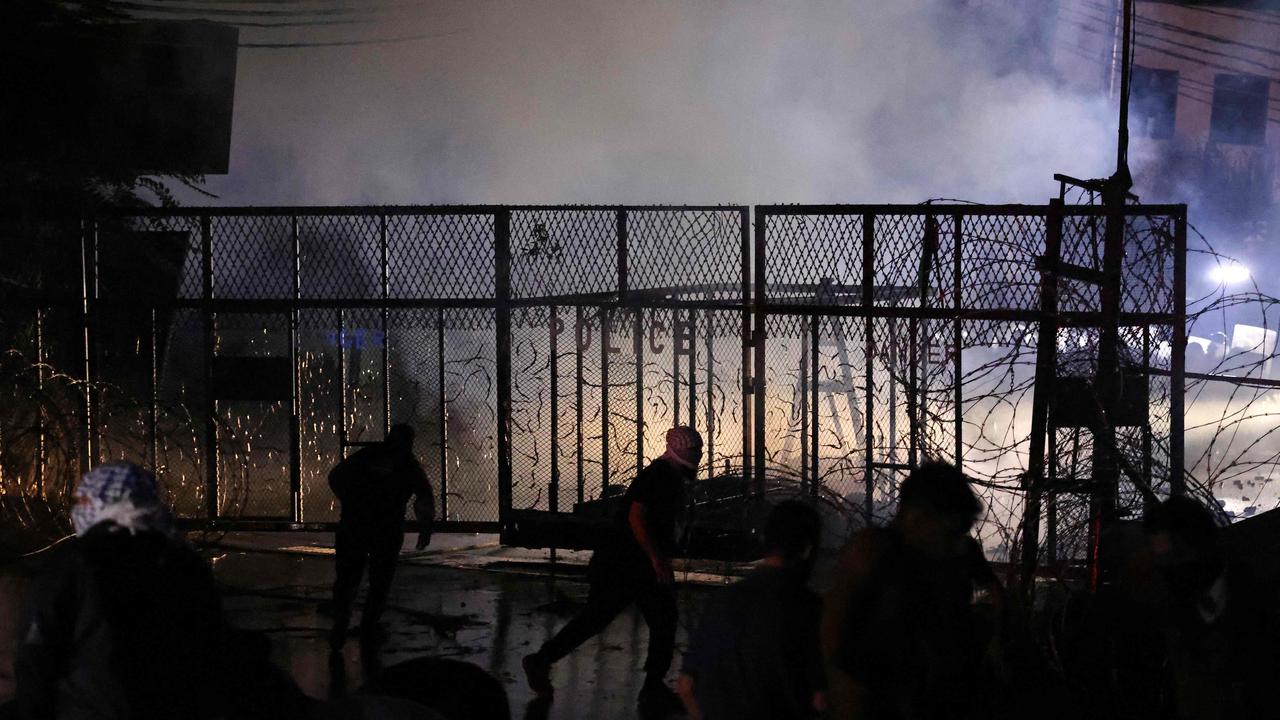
(321, 210)
(1178, 211)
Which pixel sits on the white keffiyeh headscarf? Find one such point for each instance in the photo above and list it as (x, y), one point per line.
(124, 494)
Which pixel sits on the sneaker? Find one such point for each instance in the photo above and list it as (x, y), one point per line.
(538, 672)
(659, 701)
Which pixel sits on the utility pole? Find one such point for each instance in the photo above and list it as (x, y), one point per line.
(1107, 383)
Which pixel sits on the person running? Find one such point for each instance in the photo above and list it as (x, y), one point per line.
(373, 486)
(755, 653)
(633, 565)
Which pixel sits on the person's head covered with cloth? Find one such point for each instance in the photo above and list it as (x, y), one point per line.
(123, 494)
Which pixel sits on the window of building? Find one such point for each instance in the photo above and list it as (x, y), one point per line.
(1239, 109)
(1153, 102)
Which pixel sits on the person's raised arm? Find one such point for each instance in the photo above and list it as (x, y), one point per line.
(638, 519)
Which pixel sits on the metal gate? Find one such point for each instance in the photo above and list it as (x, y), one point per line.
(541, 352)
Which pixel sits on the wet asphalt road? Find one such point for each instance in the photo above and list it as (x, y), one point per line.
(489, 618)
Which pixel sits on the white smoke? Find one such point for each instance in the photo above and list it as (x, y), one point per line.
(581, 101)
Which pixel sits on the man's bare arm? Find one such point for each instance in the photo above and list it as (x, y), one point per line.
(424, 505)
(684, 687)
(638, 519)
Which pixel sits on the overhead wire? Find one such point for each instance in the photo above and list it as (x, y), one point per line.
(349, 43)
(1083, 23)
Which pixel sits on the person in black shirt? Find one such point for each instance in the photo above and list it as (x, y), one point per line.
(755, 654)
(899, 627)
(633, 565)
(374, 485)
(1216, 615)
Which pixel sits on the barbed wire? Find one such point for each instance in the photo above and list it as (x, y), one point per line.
(1230, 430)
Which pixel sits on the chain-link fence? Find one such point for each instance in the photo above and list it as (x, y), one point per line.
(894, 335)
(542, 352)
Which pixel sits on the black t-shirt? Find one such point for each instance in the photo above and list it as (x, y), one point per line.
(660, 488)
(755, 653)
(909, 632)
(374, 485)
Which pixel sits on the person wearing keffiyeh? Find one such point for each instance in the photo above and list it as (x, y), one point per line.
(124, 495)
(125, 621)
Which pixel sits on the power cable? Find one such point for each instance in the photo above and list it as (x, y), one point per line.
(1177, 55)
(1198, 34)
(1186, 46)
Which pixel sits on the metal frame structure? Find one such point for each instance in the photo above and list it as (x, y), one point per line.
(926, 294)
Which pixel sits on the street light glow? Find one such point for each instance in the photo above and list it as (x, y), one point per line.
(1230, 272)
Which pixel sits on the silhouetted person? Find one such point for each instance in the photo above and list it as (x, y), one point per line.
(755, 653)
(374, 485)
(126, 621)
(1219, 621)
(898, 626)
(633, 565)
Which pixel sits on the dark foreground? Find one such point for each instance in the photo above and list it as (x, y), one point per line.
(487, 617)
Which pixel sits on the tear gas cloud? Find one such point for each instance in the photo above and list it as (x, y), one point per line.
(576, 101)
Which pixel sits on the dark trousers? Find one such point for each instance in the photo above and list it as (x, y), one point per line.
(613, 589)
(354, 549)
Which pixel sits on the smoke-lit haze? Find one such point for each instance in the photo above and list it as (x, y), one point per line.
(657, 101)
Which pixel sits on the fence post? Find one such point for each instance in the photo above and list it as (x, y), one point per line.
(1178, 358)
(868, 304)
(211, 403)
(502, 292)
(692, 336)
(89, 285)
(444, 417)
(578, 334)
(805, 347)
(385, 287)
(553, 499)
(957, 335)
(1108, 387)
(295, 403)
(744, 230)
(153, 387)
(675, 366)
(42, 420)
(637, 351)
(811, 407)
(604, 399)
(758, 340)
(710, 422)
(1046, 374)
(621, 237)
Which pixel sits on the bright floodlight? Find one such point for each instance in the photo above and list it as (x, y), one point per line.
(1229, 273)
